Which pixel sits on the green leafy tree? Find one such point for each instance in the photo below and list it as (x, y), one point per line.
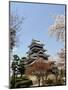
(14, 65)
(21, 67)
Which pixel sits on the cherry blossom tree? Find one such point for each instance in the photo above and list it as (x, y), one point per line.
(39, 68)
(57, 29)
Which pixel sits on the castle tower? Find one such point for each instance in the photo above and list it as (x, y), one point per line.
(36, 50)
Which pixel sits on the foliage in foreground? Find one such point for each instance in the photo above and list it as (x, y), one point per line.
(19, 82)
(52, 82)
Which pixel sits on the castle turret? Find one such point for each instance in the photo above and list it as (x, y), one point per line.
(36, 50)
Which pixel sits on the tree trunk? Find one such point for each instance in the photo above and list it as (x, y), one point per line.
(43, 81)
(56, 78)
(21, 75)
(39, 81)
(14, 79)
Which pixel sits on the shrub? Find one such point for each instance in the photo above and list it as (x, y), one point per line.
(60, 82)
(12, 82)
(49, 82)
(19, 82)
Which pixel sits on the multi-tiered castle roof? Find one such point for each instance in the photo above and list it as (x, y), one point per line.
(36, 50)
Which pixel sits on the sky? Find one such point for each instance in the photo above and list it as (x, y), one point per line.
(36, 24)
